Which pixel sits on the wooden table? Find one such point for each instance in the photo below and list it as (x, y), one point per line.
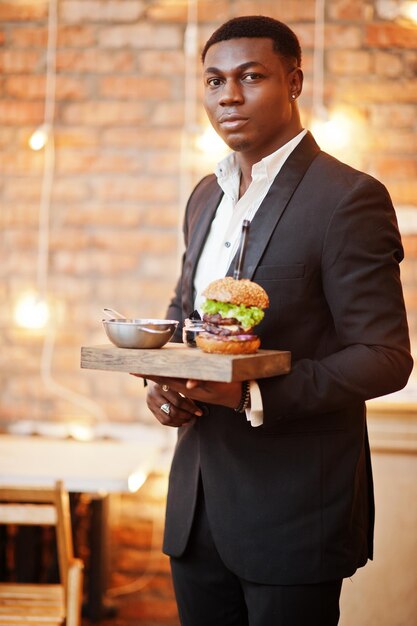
(95, 467)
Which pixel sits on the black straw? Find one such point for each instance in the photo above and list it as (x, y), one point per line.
(242, 247)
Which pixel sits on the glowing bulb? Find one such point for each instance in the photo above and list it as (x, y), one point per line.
(210, 143)
(39, 138)
(409, 11)
(136, 480)
(332, 133)
(397, 9)
(31, 312)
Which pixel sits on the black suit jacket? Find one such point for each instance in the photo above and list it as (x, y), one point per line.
(291, 501)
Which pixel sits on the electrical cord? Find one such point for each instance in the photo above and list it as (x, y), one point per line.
(318, 107)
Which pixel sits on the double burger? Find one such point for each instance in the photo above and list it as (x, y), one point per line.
(231, 310)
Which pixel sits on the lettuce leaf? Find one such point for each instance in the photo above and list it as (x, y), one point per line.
(246, 316)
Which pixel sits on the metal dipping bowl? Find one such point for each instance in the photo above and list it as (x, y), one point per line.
(139, 333)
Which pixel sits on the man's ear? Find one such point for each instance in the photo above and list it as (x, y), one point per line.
(296, 81)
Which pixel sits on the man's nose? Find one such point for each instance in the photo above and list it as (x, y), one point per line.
(231, 93)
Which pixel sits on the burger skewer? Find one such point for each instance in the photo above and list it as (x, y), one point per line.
(241, 252)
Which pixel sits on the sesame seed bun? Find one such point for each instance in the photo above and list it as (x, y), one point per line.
(242, 291)
(221, 345)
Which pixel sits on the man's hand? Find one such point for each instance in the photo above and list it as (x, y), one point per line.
(170, 407)
(177, 398)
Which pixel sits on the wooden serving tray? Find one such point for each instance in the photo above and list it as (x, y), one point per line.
(179, 361)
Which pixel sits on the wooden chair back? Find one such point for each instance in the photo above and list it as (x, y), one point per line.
(38, 506)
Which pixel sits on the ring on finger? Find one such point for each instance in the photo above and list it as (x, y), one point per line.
(166, 408)
(165, 388)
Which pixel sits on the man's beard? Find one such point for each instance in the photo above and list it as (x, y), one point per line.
(239, 145)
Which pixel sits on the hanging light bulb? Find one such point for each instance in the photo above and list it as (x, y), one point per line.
(409, 11)
(31, 312)
(332, 131)
(209, 142)
(39, 137)
(401, 10)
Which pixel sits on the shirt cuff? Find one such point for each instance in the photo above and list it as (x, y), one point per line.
(255, 413)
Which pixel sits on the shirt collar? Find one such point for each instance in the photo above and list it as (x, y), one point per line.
(269, 166)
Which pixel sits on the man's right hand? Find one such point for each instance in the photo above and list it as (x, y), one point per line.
(177, 410)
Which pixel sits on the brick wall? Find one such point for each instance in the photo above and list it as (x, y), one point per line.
(119, 187)
(120, 182)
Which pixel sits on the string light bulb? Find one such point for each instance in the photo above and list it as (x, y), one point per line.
(209, 142)
(332, 131)
(31, 312)
(39, 138)
(400, 10)
(409, 11)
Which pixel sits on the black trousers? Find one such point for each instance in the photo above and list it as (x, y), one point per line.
(209, 594)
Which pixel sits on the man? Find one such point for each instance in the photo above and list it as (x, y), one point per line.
(268, 512)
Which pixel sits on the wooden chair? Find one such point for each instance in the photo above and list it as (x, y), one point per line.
(42, 604)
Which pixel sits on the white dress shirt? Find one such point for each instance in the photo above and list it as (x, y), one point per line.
(225, 231)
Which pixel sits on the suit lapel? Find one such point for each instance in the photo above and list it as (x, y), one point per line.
(275, 203)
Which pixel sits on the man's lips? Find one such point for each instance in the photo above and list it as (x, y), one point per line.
(232, 121)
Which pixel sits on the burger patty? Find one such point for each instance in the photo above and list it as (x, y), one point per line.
(218, 320)
(223, 326)
(226, 331)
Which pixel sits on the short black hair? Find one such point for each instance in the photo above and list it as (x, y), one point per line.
(285, 41)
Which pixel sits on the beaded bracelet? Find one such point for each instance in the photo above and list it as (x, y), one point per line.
(244, 398)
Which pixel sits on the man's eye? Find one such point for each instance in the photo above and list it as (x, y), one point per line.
(251, 77)
(214, 82)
